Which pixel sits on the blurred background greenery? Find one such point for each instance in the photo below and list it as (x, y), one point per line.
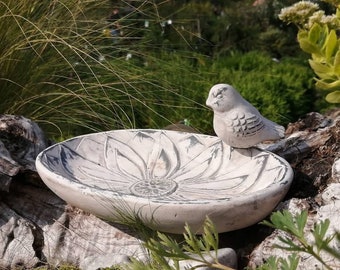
(61, 67)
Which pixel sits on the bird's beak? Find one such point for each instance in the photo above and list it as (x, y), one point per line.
(208, 103)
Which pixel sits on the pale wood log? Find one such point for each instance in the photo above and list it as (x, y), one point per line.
(37, 227)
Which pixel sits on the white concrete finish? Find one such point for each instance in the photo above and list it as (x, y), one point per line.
(166, 178)
(237, 122)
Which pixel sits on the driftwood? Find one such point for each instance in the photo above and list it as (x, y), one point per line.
(313, 150)
(21, 140)
(37, 227)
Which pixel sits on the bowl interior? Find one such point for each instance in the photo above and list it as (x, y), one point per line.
(164, 166)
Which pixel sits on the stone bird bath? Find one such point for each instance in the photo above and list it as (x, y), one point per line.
(166, 178)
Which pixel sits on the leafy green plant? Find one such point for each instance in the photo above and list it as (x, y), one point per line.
(59, 68)
(296, 241)
(323, 45)
(166, 253)
(282, 91)
(317, 36)
(274, 263)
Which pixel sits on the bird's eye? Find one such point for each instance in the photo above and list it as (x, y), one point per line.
(219, 95)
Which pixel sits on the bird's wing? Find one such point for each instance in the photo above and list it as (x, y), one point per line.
(245, 124)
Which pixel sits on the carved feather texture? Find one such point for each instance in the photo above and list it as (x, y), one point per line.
(237, 122)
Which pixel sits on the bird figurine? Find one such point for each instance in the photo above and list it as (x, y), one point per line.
(237, 122)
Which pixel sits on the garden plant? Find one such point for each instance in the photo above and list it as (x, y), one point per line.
(317, 36)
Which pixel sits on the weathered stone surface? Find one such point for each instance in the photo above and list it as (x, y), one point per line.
(262, 252)
(226, 257)
(329, 209)
(311, 149)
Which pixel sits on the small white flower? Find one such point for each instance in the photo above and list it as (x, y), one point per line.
(101, 58)
(128, 56)
(298, 13)
(331, 20)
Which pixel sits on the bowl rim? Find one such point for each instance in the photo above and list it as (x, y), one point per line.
(234, 199)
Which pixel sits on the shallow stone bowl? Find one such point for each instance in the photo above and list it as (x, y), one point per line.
(165, 178)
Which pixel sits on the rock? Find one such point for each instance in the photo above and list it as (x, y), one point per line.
(21, 140)
(311, 150)
(102, 261)
(225, 256)
(331, 194)
(307, 135)
(336, 170)
(330, 209)
(8, 167)
(263, 251)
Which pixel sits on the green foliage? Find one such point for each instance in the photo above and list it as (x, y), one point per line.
(287, 222)
(296, 241)
(274, 263)
(47, 51)
(277, 42)
(59, 68)
(282, 91)
(323, 45)
(215, 28)
(166, 253)
(317, 37)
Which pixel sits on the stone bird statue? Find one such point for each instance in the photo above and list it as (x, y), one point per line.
(237, 122)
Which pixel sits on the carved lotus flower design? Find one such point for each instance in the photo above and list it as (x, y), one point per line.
(168, 176)
(163, 165)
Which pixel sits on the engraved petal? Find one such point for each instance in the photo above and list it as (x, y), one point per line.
(81, 169)
(120, 156)
(201, 164)
(164, 159)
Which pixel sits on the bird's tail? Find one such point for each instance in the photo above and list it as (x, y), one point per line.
(280, 130)
(277, 131)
